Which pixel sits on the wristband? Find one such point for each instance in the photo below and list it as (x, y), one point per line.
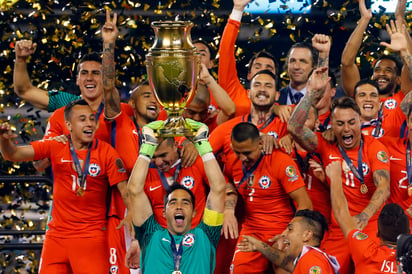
(144, 157)
(208, 156)
(236, 15)
(147, 150)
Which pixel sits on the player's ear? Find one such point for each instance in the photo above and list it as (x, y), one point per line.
(194, 213)
(164, 212)
(307, 235)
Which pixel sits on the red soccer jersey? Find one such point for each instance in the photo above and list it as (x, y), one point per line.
(221, 142)
(193, 178)
(265, 193)
(318, 191)
(74, 216)
(314, 260)
(399, 176)
(374, 157)
(370, 257)
(228, 78)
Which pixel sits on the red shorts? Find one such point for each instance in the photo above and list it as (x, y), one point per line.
(74, 255)
(117, 247)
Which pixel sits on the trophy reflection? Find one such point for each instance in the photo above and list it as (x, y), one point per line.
(173, 70)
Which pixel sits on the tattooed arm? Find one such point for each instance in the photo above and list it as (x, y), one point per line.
(274, 255)
(315, 88)
(111, 95)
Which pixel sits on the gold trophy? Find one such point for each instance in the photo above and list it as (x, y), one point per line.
(173, 66)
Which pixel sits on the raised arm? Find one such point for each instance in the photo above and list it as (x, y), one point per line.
(399, 43)
(9, 150)
(322, 44)
(350, 71)
(140, 206)
(338, 199)
(315, 88)
(21, 79)
(111, 95)
(223, 100)
(230, 225)
(216, 198)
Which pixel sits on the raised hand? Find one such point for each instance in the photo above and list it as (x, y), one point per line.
(150, 141)
(5, 131)
(397, 32)
(365, 13)
(334, 169)
(318, 81)
(201, 138)
(110, 31)
(240, 4)
(322, 43)
(24, 48)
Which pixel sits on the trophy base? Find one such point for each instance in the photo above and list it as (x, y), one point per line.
(175, 127)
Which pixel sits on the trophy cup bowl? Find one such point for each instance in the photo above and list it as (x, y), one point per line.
(173, 66)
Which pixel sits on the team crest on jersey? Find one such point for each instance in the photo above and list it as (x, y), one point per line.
(390, 104)
(120, 166)
(188, 240)
(114, 269)
(382, 156)
(365, 169)
(188, 182)
(291, 173)
(274, 134)
(94, 170)
(358, 235)
(315, 270)
(265, 182)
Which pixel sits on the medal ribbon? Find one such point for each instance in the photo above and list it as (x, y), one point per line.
(409, 163)
(82, 174)
(139, 132)
(177, 253)
(357, 172)
(376, 131)
(303, 163)
(248, 172)
(176, 175)
(99, 111)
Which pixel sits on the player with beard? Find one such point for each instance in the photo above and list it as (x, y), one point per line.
(387, 71)
(365, 163)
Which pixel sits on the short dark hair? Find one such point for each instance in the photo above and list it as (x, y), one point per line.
(94, 56)
(211, 50)
(303, 45)
(404, 252)
(69, 107)
(245, 131)
(345, 102)
(393, 58)
(392, 221)
(176, 186)
(365, 81)
(132, 92)
(267, 72)
(262, 54)
(316, 221)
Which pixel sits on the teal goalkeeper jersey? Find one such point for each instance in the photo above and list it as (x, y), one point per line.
(199, 248)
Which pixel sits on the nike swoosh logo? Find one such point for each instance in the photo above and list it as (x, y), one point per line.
(333, 157)
(166, 240)
(135, 132)
(154, 188)
(394, 159)
(65, 161)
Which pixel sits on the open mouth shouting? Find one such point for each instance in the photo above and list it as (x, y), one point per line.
(179, 219)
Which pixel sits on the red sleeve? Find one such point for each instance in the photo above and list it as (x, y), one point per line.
(115, 170)
(227, 73)
(126, 108)
(360, 245)
(218, 137)
(378, 155)
(42, 149)
(289, 174)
